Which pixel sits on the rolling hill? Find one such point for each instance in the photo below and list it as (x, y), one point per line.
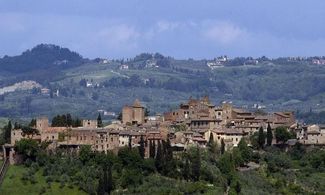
(83, 86)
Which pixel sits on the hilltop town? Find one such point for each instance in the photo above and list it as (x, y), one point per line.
(199, 146)
(194, 123)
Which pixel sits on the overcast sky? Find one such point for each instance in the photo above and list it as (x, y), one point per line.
(179, 28)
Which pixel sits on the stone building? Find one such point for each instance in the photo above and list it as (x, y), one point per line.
(134, 114)
(89, 123)
(311, 135)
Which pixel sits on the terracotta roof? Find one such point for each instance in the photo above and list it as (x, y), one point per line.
(199, 139)
(313, 132)
(282, 114)
(228, 131)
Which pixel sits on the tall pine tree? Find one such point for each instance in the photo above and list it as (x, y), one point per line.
(261, 137)
(99, 121)
(7, 132)
(222, 149)
(269, 135)
(196, 165)
(141, 147)
(159, 158)
(101, 184)
(186, 169)
(69, 120)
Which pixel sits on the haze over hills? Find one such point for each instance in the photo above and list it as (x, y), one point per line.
(71, 83)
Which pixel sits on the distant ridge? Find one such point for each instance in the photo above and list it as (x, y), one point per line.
(42, 56)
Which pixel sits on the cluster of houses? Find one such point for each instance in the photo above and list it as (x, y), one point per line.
(193, 123)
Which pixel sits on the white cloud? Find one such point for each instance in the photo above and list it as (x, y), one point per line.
(166, 26)
(223, 32)
(120, 35)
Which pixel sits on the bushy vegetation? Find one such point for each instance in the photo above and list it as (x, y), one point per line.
(195, 171)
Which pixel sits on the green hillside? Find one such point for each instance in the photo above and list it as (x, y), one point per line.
(161, 83)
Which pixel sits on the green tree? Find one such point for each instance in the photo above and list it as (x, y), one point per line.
(245, 151)
(269, 135)
(226, 164)
(141, 147)
(159, 158)
(108, 179)
(119, 116)
(85, 153)
(130, 142)
(7, 132)
(152, 150)
(29, 130)
(196, 165)
(210, 143)
(261, 137)
(238, 159)
(282, 134)
(28, 148)
(32, 123)
(101, 184)
(99, 121)
(69, 120)
(146, 112)
(222, 149)
(186, 169)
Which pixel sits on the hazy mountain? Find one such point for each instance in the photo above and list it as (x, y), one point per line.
(42, 56)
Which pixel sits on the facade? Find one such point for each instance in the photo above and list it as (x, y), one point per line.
(133, 114)
(311, 135)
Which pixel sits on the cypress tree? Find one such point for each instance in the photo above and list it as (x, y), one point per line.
(109, 180)
(186, 169)
(153, 149)
(32, 123)
(210, 140)
(269, 135)
(159, 158)
(141, 147)
(150, 150)
(238, 187)
(7, 132)
(101, 185)
(261, 137)
(130, 142)
(99, 121)
(196, 165)
(222, 149)
(69, 120)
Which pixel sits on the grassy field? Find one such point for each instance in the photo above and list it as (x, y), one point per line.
(13, 184)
